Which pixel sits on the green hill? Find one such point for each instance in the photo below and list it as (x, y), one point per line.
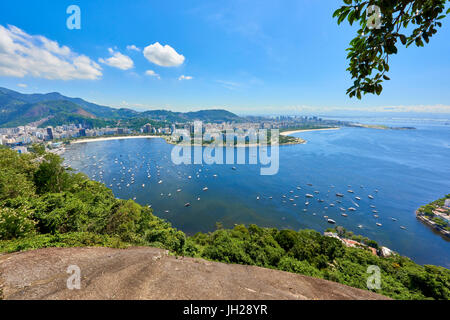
(20, 109)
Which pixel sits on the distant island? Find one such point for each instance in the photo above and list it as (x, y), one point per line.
(379, 126)
(437, 215)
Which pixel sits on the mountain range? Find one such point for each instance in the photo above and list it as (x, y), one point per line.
(53, 108)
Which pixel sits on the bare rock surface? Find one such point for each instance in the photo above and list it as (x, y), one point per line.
(150, 273)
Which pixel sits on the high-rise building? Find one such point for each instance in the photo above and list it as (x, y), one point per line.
(50, 133)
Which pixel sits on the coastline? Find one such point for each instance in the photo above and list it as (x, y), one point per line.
(441, 231)
(114, 138)
(287, 133)
(301, 141)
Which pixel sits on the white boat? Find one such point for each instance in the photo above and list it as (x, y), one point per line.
(308, 195)
(351, 209)
(205, 188)
(357, 198)
(379, 224)
(370, 196)
(331, 221)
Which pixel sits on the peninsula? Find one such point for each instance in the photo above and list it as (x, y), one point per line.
(437, 215)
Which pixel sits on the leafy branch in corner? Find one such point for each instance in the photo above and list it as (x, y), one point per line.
(369, 52)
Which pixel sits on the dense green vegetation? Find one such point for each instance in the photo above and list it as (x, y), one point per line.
(46, 205)
(43, 205)
(308, 252)
(73, 118)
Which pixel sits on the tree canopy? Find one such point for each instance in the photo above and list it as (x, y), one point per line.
(384, 25)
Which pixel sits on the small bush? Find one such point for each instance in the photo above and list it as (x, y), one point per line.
(15, 223)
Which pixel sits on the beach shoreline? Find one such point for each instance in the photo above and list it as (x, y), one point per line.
(96, 139)
(114, 138)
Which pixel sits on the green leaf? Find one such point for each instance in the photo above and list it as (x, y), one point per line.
(403, 39)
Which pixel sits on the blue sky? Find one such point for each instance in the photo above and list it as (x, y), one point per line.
(250, 57)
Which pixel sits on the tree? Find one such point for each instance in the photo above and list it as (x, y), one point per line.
(384, 23)
(38, 149)
(51, 176)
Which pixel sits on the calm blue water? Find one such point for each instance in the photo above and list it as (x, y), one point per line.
(409, 168)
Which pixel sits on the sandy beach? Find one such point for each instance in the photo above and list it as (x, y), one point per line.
(114, 138)
(287, 133)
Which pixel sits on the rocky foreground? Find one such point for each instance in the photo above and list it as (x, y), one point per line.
(150, 273)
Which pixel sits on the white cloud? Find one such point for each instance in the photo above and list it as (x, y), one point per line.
(152, 73)
(22, 85)
(164, 56)
(133, 47)
(183, 77)
(23, 55)
(118, 60)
